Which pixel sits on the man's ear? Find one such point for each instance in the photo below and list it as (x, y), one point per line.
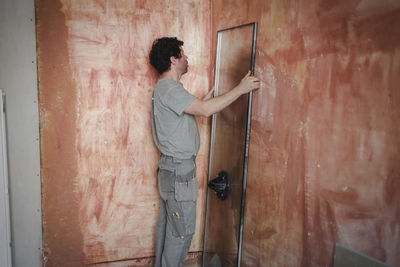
(173, 60)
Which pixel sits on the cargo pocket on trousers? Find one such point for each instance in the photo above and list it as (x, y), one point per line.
(186, 187)
(187, 190)
(176, 217)
(166, 180)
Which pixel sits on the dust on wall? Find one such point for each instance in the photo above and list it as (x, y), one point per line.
(100, 199)
(324, 152)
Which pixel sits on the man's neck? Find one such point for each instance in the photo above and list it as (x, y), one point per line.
(170, 74)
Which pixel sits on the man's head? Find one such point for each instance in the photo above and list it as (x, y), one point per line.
(166, 51)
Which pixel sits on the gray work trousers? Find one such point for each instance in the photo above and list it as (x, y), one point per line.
(178, 189)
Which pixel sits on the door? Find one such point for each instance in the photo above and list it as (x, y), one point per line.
(229, 149)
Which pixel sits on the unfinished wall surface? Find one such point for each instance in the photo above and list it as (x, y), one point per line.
(100, 202)
(324, 153)
(324, 161)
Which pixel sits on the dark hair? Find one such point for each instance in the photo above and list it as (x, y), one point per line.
(162, 50)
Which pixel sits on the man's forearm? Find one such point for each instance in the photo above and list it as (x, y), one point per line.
(213, 105)
(216, 104)
(207, 107)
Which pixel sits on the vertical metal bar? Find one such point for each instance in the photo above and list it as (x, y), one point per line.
(216, 85)
(213, 123)
(5, 234)
(246, 152)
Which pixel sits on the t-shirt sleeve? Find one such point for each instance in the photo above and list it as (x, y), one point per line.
(178, 99)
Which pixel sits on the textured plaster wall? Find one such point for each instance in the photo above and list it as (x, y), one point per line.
(99, 194)
(324, 154)
(324, 161)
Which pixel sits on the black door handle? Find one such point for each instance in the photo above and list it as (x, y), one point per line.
(220, 184)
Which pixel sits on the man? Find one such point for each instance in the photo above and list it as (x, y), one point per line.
(176, 135)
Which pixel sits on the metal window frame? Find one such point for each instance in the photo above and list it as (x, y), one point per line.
(247, 138)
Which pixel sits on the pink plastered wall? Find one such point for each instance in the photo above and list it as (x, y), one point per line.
(95, 100)
(324, 163)
(324, 153)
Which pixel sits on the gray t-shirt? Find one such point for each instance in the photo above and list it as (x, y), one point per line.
(174, 131)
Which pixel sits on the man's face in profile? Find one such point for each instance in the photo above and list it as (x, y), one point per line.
(182, 62)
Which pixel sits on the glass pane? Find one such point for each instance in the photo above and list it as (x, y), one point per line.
(233, 61)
